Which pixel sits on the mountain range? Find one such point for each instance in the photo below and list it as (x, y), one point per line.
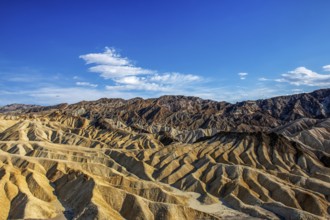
(172, 157)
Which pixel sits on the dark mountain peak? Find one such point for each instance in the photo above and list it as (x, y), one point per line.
(16, 107)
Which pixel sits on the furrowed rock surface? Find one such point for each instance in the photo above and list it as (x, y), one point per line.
(173, 157)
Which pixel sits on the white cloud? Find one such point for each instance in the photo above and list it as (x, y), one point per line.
(56, 95)
(131, 80)
(110, 64)
(326, 68)
(242, 75)
(297, 90)
(169, 78)
(303, 76)
(162, 83)
(109, 72)
(263, 79)
(109, 57)
(260, 92)
(136, 83)
(126, 76)
(235, 94)
(86, 84)
(143, 86)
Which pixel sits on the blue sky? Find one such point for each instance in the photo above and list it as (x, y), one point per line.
(58, 51)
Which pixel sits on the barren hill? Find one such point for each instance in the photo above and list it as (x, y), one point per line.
(173, 157)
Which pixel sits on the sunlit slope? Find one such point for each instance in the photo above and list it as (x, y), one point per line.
(48, 171)
(51, 167)
(168, 158)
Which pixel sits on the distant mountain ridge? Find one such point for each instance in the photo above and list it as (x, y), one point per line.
(16, 107)
(315, 104)
(192, 113)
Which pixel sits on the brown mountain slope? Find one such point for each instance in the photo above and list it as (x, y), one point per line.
(189, 118)
(168, 158)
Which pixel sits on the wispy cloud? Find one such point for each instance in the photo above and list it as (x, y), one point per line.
(242, 75)
(326, 68)
(111, 65)
(126, 76)
(25, 75)
(54, 95)
(136, 83)
(297, 91)
(263, 79)
(303, 76)
(169, 78)
(86, 84)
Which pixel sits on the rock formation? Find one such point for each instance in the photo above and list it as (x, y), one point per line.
(173, 157)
